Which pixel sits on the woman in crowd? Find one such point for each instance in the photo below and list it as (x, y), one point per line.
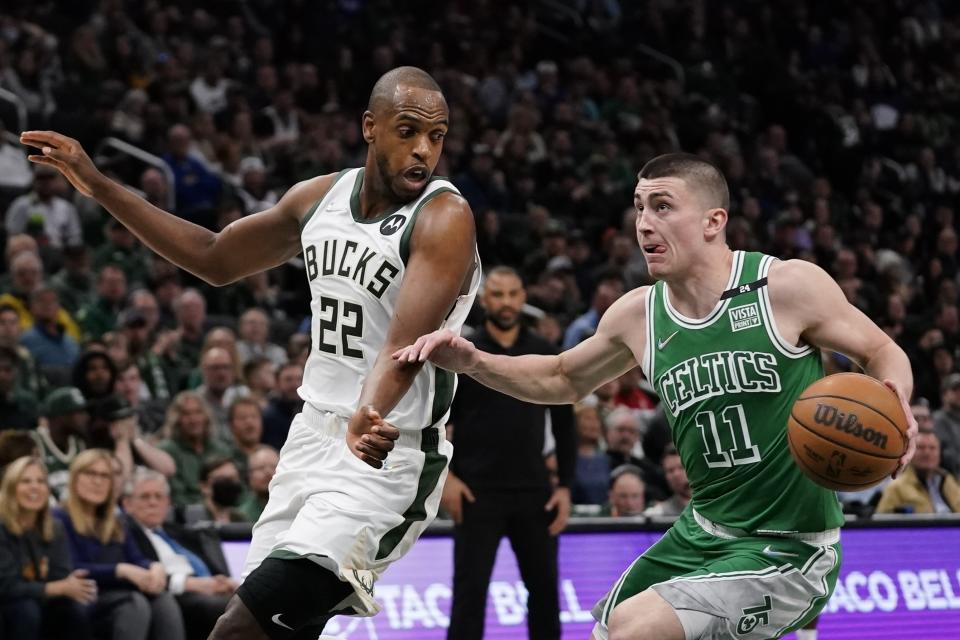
(38, 590)
(132, 603)
(190, 440)
(593, 465)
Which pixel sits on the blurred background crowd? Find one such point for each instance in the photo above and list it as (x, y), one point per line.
(834, 124)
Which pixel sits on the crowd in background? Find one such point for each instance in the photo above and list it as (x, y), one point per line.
(834, 124)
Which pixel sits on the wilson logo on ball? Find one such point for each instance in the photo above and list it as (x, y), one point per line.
(828, 415)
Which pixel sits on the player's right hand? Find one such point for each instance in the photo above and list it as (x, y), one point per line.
(370, 437)
(66, 156)
(443, 348)
(455, 491)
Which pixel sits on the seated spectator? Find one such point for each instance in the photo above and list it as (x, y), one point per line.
(17, 406)
(29, 377)
(127, 444)
(679, 486)
(946, 422)
(283, 405)
(188, 433)
(131, 601)
(626, 496)
(262, 467)
(75, 281)
(222, 490)
(44, 214)
(591, 480)
(622, 432)
(123, 250)
(95, 374)
(64, 436)
(197, 188)
(608, 290)
(39, 590)
(202, 596)
(260, 376)
(15, 172)
(220, 387)
(924, 486)
(254, 340)
(100, 314)
(26, 273)
(246, 425)
(150, 412)
(48, 340)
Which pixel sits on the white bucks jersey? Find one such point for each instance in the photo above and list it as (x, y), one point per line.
(355, 268)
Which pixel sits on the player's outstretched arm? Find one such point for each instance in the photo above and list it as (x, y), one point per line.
(809, 303)
(249, 245)
(558, 379)
(441, 264)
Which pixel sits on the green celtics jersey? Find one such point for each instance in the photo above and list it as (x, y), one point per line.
(727, 383)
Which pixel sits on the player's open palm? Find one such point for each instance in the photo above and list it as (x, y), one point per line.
(65, 155)
(443, 348)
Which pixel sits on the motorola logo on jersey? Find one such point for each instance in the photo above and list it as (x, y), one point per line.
(392, 224)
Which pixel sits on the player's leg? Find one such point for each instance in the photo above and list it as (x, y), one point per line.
(645, 616)
(475, 543)
(536, 552)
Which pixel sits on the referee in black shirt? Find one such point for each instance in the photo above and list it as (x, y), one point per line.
(499, 484)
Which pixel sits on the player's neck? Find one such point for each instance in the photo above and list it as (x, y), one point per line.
(695, 293)
(375, 198)
(506, 338)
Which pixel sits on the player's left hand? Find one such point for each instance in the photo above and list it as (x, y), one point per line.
(369, 437)
(561, 501)
(912, 428)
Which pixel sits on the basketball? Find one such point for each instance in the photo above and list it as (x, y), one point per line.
(847, 431)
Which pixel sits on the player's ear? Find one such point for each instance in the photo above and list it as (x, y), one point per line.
(368, 125)
(714, 222)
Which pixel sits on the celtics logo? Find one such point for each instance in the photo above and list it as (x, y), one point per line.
(754, 617)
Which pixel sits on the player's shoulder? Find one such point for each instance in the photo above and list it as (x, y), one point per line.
(624, 315)
(442, 216)
(300, 198)
(788, 278)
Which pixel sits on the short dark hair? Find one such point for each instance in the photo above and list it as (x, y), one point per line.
(504, 270)
(6, 306)
(243, 400)
(214, 463)
(695, 171)
(382, 94)
(626, 470)
(670, 450)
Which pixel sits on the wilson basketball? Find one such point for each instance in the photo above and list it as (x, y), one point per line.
(847, 431)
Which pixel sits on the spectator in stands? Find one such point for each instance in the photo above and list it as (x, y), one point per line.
(17, 444)
(127, 444)
(188, 433)
(260, 376)
(626, 496)
(199, 583)
(123, 250)
(209, 89)
(222, 490)
(75, 282)
(29, 377)
(95, 375)
(622, 433)
(591, 481)
(131, 600)
(254, 339)
(246, 427)
(924, 486)
(48, 341)
(261, 465)
(220, 387)
(100, 315)
(40, 593)
(64, 436)
(27, 276)
(150, 412)
(946, 422)
(197, 188)
(44, 214)
(608, 290)
(15, 172)
(17, 406)
(679, 486)
(283, 405)
(190, 308)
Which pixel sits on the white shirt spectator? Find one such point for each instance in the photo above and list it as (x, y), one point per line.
(61, 223)
(15, 171)
(209, 98)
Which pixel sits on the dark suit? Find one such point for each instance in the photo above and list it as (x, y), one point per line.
(200, 610)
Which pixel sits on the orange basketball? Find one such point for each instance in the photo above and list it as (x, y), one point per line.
(847, 431)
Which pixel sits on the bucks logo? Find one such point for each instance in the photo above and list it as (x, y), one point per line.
(754, 617)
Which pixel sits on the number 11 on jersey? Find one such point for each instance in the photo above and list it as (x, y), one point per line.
(739, 451)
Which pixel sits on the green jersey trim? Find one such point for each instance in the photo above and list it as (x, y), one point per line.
(316, 205)
(355, 204)
(736, 267)
(766, 310)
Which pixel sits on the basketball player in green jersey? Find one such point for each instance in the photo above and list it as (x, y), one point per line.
(729, 340)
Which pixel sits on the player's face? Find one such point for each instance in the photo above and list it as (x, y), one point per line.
(671, 224)
(503, 298)
(408, 140)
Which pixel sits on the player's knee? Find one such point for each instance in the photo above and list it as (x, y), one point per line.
(236, 623)
(645, 616)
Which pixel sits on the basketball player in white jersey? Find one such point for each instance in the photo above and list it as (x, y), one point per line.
(390, 254)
